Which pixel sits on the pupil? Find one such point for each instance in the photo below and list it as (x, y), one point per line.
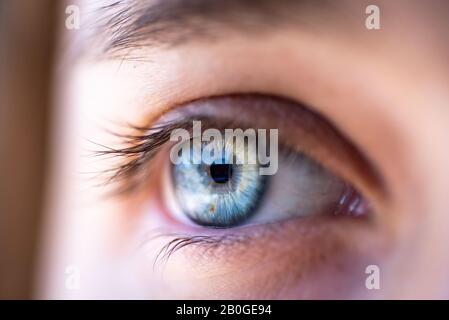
(221, 173)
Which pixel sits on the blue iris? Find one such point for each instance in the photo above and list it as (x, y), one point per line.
(220, 194)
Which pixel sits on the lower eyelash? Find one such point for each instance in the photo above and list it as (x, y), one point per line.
(178, 243)
(241, 238)
(207, 243)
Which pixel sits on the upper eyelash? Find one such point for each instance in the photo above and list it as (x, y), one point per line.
(138, 149)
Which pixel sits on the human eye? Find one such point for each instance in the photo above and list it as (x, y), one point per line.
(352, 144)
(225, 191)
(220, 228)
(220, 207)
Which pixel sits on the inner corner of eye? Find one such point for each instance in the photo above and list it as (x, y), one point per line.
(207, 184)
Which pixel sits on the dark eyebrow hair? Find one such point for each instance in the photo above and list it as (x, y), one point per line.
(127, 24)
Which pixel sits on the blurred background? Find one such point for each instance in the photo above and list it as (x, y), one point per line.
(26, 55)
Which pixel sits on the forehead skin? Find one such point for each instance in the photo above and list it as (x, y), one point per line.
(122, 25)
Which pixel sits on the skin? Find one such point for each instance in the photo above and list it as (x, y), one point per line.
(387, 92)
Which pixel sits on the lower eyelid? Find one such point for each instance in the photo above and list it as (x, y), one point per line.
(293, 248)
(298, 247)
(281, 234)
(243, 238)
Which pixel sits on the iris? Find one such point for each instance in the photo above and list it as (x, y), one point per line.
(222, 194)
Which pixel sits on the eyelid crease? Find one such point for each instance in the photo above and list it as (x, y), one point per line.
(320, 140)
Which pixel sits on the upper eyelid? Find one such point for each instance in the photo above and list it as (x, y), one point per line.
(144, 141)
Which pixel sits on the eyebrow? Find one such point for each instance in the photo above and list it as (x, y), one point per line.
(127, 24)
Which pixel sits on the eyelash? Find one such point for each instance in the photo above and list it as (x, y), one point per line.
(212, 245)
(139, 150)
(207, 242)
(134, 165)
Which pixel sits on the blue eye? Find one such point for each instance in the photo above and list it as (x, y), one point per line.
(220, 194)
(223, 195)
